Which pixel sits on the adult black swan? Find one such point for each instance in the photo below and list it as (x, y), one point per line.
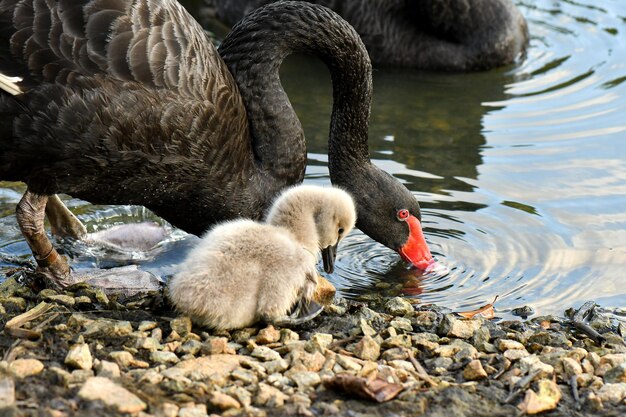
(440, 35)
(128, 102)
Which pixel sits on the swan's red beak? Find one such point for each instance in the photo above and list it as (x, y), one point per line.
(415, 250)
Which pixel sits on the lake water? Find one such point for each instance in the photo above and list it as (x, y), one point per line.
(520, 171)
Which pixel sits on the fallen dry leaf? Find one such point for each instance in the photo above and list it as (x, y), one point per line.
(14, 326)
(546, 399)
(378, 389)
(485, 311)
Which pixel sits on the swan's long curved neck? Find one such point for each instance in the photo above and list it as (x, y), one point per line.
(254, 51)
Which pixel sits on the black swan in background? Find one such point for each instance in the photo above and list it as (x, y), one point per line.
(128, 102)
(439, 35)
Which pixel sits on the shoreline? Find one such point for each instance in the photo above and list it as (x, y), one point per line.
(94, 355)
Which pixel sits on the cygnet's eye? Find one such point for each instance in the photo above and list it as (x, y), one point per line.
(340, 231)
(402, 214)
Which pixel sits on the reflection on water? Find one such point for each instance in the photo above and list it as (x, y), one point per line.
(521, 172)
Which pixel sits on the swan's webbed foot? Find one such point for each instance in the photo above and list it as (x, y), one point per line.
(303, 311)
(30, 214)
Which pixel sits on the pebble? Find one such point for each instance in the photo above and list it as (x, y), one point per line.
(265, 354)
(506, 344)
(108, 328)
(148, 343)
(269, 396)
(532, 363)
(79, 357)
(167, 358)
(367, 349)
(108, 369)
(474, 371)
(616, 374)
(112, 395)
(304, 379)
(319, 342)
(268, 335)
(401, 323)
(453, 326)
(398, 306)
(23, 368)
(223, 401)
(181, 325)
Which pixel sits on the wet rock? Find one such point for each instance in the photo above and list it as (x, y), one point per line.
(223, 401)
(474, 371)
(398, 306)
(523, 312)
(23, 368)
(107, 369)
(269, 396)
(265, 354)
(112, 395)
(181, 325)
(166, 358)
(79, 357)
(453, 326)
(616, 374)
(367, 349)
(268, 335)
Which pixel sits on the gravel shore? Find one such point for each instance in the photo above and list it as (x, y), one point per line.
(81, 352)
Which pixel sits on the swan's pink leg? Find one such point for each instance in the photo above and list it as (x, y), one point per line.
(30, 215)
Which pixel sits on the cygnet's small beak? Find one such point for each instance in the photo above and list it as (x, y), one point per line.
(415, 250)
(329, 254)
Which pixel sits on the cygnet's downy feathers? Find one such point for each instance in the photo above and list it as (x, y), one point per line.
(244, 271)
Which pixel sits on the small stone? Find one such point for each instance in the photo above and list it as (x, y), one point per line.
(367, 349)
(365, 327)
(108, 369)
(145, 326)
(13, 305)
(613, 359)
(401, 323)
(319, 342)
(453, 326)
(7, 392)
(532, 364)
(108, 328)
(243, 335)
(164, 357)
(515, 354)
(192, 411)
(474, 371)
(288, 336)
(506, 344)
(148, 343)
(181, 325)
(190, 347)
(616, 374)
(166, 410)
(304, 379)
(111, 394)
(62, 299)
(613, 393)
(151, 377)
(268, 335)
(269, 396)
(402, 340)
(348, 363)
(80, 376)
(265, 354)
(122, 358)
(275, 366)
(223, 401)
(245, 376)
(79, 357)
(215, 346)
(571, 367)
(22, 368)
(395, 354)
(398, 306)
(424, 319)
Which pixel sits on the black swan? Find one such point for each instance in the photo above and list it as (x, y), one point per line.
(439, 35)
(245, 271)
(128, 102)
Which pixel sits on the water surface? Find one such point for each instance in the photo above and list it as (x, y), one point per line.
(520, 171)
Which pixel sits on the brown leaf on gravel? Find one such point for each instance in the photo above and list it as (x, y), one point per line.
(377, 390)
(547, 398)
(485, 311)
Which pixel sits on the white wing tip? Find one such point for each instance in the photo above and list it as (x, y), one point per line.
(9, 84)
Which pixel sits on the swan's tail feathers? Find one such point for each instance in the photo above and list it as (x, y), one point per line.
(10, 84)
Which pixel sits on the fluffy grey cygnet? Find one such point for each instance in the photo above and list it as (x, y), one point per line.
(244, 271)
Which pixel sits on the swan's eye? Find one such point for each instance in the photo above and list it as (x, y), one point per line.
(403, 214)
(340, 231)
